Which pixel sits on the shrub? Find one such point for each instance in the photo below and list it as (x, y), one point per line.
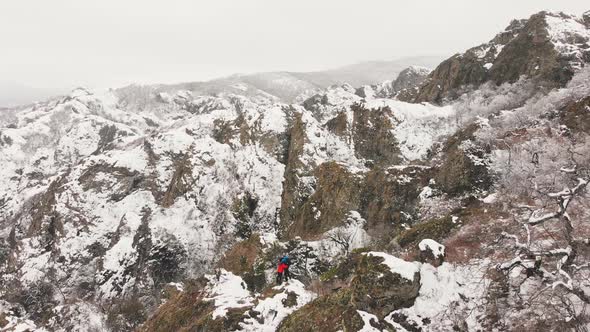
(37, 299)
(126, 314)
(435, 229)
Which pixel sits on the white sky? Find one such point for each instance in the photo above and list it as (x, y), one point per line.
(101, 43)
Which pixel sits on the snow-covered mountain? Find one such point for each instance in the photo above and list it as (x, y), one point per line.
(164, 208)
(88, 183)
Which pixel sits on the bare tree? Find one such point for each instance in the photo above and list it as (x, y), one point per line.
(343, 238)
(558, 265)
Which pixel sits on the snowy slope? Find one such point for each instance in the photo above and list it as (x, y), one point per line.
(87, 181)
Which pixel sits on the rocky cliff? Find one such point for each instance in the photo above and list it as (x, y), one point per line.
(547, 47)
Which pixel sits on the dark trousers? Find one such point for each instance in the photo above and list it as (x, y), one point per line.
(279, 278)
(287, 274)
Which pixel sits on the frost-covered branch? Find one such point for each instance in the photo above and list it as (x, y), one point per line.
(518, 244)
(564, 198)
(565, 269)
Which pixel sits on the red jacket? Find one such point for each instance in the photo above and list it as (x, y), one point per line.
(281, 267)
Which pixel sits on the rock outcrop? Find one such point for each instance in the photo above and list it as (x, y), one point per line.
(375, 286)
(576, 116)
(547, 47)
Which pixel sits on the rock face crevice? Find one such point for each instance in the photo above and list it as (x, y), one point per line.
(294, 191)
(181, 182)
(317, 199)
(385, 198)
(372, 135)
(336, 193)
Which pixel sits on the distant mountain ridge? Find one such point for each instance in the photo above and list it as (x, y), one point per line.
(285, 85)
(292, 87)
(370, 72)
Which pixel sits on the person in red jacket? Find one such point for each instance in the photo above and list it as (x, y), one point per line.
(280, 270)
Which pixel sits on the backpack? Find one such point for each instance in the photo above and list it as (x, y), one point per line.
(285, 260)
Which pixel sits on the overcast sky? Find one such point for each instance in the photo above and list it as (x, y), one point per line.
(66, 43)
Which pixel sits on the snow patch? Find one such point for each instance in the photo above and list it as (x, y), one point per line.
(491, 198)
(367, 318)
(417, 126)
(437, 249)
(274, 309)
(228, 291)
(568, 34)
(404, 268)
(442, 288)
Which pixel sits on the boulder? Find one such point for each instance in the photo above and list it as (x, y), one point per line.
(431, 252)
(465, 165)
(384, 283)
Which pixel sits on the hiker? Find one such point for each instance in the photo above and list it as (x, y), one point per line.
(285, 260)
(280, 271)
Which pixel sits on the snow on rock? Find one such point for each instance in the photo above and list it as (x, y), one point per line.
(404, 268)
(417, 126)
(419, 70)
(366, 92)
(471, 151)
(437, 249)
(276, 308)
(367, 318)
(490, 199)
(337, 241)
(568, 34)
(17, 324)
(50, 137)
(354, 229)
(267, 238)
(34, 268)
(443, 288)
(13, 322)
(322, 146)
(334, 100)
(177, 285)
(273, 119)
(426, 193)
(227, 290)
(81, 316)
